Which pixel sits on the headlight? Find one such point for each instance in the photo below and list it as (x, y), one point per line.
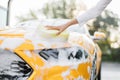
(72, 53)
(12, 67)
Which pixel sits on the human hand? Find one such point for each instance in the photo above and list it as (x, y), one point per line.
(63, 27)
(60, 28)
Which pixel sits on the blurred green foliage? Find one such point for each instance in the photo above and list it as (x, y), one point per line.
(108, 22)
(30, 16)
(59, 9)
(53, 9)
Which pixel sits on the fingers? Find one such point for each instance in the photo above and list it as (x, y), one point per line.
(60, 32)
(60, 29)
(52, 28)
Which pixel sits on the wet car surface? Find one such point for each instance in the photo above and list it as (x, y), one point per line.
(26, 54)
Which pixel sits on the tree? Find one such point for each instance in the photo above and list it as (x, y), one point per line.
(105, 22)
(59, 9)
(29, 16)
(54, 9)
(108, 22)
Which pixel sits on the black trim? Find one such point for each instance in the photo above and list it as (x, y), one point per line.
(32, 70)
(25, 62)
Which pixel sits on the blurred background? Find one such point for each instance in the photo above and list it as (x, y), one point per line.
(108, 22)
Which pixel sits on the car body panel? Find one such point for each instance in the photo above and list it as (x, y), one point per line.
(25, 43)
(55, 72)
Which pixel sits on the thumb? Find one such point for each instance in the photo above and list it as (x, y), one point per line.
(59, 32)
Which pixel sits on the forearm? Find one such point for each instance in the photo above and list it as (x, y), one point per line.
(71, 22)
(93, 12)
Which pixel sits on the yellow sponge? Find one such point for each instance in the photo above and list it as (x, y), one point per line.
(45, 33)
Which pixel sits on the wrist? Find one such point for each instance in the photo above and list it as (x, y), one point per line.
(72, 22)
